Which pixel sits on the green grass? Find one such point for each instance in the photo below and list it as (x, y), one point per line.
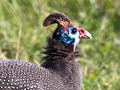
(22, 35)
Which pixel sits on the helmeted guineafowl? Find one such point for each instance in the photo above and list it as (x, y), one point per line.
(60, 71)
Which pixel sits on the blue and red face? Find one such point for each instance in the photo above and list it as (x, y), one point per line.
(71, 36)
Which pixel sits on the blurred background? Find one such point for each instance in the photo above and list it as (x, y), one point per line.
(22, 35)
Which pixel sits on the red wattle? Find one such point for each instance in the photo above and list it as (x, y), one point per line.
(74, 47)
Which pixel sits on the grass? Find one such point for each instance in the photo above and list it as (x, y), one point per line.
(22, 35)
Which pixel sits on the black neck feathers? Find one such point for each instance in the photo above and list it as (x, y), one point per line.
(56, 53)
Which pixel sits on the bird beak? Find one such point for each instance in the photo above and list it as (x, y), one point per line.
(84, 34)
(87, 35)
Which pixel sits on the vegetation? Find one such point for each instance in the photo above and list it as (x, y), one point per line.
(22, 35)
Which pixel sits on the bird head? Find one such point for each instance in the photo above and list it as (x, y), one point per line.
(66, 32)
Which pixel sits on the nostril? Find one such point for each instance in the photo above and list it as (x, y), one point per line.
(82, 31)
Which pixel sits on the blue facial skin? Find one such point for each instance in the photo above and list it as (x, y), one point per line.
(74, 34)
(67, 40)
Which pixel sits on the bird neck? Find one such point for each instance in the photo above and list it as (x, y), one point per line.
(61, 60)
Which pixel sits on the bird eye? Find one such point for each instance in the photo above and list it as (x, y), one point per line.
(74, 30)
